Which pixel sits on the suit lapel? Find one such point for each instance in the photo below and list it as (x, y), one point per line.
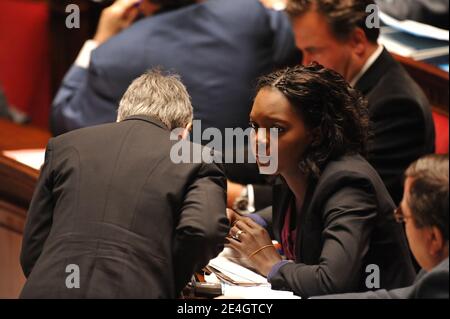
(373, 75)
(282, 196)
(303, 216)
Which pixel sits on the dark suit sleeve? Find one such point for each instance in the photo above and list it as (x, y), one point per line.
(39, 217)
(285, 52)
(83, 100)
(396, 141)
(203, 224)
(348, 219)
(263, 195)
(402, 293)
(433, 285)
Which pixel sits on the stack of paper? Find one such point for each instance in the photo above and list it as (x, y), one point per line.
(413, 39)
(33, 158)
(234, 274)
(240, 282)
(261, 292)
(415, 28)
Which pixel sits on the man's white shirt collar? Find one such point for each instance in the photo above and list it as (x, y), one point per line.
(370, 61)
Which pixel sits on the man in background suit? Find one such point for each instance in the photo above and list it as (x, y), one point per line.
(111, 204)
(219, 48)
(334, 33)
(424, 210)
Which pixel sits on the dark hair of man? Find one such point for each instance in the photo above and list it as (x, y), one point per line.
(335, 112)
(343, 16)
(428, 195)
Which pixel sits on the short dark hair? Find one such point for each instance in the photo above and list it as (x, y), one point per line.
(343, 16)
(428, 196)
(336, 113)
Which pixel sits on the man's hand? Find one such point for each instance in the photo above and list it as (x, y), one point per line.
(115, 18)
(252, 241)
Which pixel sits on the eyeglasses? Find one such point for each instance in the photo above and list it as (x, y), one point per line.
(399, 216)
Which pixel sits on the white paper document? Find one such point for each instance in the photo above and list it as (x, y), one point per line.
(234, 273)
(241, 282)
(416, 28)
(33, 158)
(260, 292)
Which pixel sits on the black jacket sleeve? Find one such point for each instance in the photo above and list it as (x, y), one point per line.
(203, 224)
(39, 218)
(348, 218)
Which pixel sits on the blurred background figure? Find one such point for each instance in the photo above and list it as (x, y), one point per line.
(219, 48)
(433, 12)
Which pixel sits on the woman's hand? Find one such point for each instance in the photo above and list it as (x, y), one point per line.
(118, 16)
(253, 242)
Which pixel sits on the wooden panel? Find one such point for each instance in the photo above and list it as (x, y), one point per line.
(12, 221)
(14, 137)
(17, 183)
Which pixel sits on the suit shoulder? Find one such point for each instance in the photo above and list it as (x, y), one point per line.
(350, 170)
(397, 84)
(434, 284)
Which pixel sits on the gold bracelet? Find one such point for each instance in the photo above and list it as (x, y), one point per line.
(258, 250)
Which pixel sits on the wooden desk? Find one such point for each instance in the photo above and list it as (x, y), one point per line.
(17, 183)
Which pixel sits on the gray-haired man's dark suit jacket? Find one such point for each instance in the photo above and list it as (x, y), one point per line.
(111, 201)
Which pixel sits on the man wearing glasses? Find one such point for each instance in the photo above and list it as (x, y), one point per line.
(424, 211)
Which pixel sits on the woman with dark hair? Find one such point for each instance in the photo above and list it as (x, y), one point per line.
(332, 213)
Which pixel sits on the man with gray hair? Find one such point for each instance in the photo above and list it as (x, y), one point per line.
(424, 210)
(112, 216)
